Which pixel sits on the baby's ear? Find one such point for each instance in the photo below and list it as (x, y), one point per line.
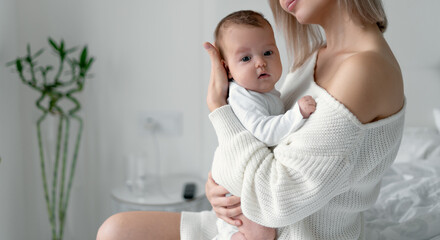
(225, 65)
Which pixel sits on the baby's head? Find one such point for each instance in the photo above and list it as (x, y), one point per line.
(247, 46)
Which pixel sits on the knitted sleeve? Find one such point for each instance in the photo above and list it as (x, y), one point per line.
(300, 176)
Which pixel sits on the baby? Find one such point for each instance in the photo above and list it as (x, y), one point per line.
(246, 43)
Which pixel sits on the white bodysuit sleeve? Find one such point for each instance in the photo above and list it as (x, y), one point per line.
(252, 110)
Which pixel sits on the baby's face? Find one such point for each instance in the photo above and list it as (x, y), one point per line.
(252, 57)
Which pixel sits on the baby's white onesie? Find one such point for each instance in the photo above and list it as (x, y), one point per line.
(263, 114)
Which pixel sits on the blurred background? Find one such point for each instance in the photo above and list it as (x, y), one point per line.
(149, 63)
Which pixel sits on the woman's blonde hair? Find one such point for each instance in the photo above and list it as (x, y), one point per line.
(303, 40)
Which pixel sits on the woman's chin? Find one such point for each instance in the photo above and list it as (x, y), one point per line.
(302, 17)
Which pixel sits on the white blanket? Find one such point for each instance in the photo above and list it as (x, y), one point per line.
(408, 207)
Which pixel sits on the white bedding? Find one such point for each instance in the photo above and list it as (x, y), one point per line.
(408, 207)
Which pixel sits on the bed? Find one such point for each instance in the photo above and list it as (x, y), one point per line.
(408, 206)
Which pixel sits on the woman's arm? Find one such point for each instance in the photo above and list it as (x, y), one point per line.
(282, 187)
(226, 208)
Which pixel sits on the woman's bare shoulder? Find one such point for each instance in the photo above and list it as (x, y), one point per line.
(369, 84)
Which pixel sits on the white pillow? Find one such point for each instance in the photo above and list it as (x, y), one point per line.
(419, 143)
(436, 113)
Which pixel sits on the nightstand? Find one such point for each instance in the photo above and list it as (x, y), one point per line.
(164, 194)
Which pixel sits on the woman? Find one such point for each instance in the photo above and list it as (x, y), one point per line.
(317, 183)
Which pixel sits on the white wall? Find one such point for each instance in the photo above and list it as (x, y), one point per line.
(149, 56)
(12, 191)
(414, 35)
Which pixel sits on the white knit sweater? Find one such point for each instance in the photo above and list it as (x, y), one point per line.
(317, 182)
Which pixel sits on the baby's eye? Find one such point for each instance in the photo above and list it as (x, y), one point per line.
(268, 53)
(245, 59)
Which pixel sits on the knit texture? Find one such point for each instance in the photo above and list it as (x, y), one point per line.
(317, 182)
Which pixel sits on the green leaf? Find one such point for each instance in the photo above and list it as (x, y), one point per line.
(83, 57)
(71, 50)
(53, 44)
(19, 65)
(11, 63)
(62, 45)
(38, 53)
(28, 47)
(89, 63)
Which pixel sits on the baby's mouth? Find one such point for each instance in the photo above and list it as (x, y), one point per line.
(264, 75)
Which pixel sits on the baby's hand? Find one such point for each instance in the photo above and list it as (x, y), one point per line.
(307, 106)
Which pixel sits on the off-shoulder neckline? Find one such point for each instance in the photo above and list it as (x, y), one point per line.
(309, 66)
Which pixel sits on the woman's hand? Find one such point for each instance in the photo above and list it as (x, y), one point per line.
(218, 83)
(226, 208)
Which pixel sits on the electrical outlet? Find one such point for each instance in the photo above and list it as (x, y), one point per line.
(169, 123)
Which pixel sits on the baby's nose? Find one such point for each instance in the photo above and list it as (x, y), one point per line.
(260, 63)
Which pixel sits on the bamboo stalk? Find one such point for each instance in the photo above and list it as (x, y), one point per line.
(51, 94)
(43, 175)
(72, 168)
(61, 210)
(55, 169)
